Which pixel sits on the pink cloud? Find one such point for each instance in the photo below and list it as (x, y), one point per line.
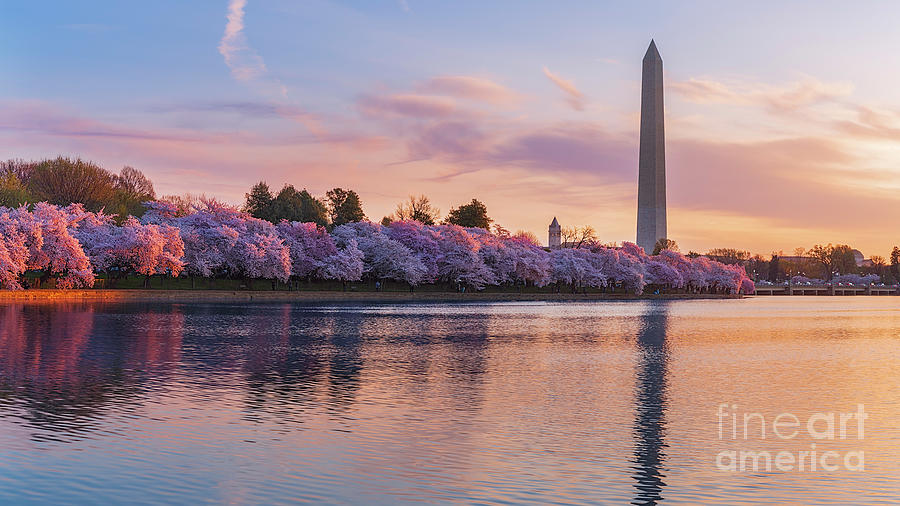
(42, 118)
(45, 119)
(456, 141)
(872, 124)
(570, 147)
(805, 92)
(575, 98)
(406, 105)
(471, 88)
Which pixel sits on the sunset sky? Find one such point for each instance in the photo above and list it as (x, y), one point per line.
(783, 119)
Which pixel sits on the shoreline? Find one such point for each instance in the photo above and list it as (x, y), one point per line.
(125, 295)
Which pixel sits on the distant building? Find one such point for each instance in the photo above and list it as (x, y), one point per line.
(555, 231)
(858, 258)
(861, 260)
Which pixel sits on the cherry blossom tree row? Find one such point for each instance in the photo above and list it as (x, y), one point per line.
(217, 240)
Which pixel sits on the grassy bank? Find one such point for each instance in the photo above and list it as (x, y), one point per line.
(125, 295)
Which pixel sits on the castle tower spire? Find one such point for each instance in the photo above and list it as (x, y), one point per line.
(555, 234)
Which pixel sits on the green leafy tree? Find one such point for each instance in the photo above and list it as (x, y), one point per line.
(18, 167)
(289, 204)
(728, 256)
(473, 214)
(12, 191)
(834, 259)
(62, 181)
(757, 267)
(774, 267)
(843, 260)
(664, 244)
(419, 209)
(293, 205)
(132, 189)
(344, 206)
(259, 201)
(822, 254)
(879, 266)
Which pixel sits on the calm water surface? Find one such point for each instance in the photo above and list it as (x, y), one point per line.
(508, 402)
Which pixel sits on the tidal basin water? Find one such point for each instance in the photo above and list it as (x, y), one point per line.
(606, 402)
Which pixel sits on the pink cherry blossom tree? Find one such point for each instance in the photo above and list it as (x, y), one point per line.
(573, 267)
(459, 263)
(12, 266)
(531, 262)
(60, 254)
(310, 248)
(662, 275)
(383, 257)
(496, 255)
(747, 286)
(14, 248)
(133, 248)
(421, 240)
(345, 265)
(628, 269)
(149, 249)
(221, 240)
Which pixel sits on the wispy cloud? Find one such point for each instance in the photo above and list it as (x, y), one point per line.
(791, 96)
(40, 118)
(248, 66)
(872, 124)
(575, 98)
(243, 61)
(409, 105)
(470, 88)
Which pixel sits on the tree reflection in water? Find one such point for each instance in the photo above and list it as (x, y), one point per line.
(63, 365)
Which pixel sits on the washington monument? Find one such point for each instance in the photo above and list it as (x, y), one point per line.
(651, 214)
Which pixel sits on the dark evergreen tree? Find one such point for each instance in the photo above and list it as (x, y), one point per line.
(293, 205)
(259, 201)
(344, 207)
(473, 214)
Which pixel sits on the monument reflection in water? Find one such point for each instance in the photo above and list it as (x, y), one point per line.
(650, 404)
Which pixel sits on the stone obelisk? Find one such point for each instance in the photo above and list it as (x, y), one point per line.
(651, 215)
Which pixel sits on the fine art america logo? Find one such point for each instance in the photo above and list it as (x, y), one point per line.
(740, 426)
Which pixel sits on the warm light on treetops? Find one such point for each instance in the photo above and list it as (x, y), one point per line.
(216, 240)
